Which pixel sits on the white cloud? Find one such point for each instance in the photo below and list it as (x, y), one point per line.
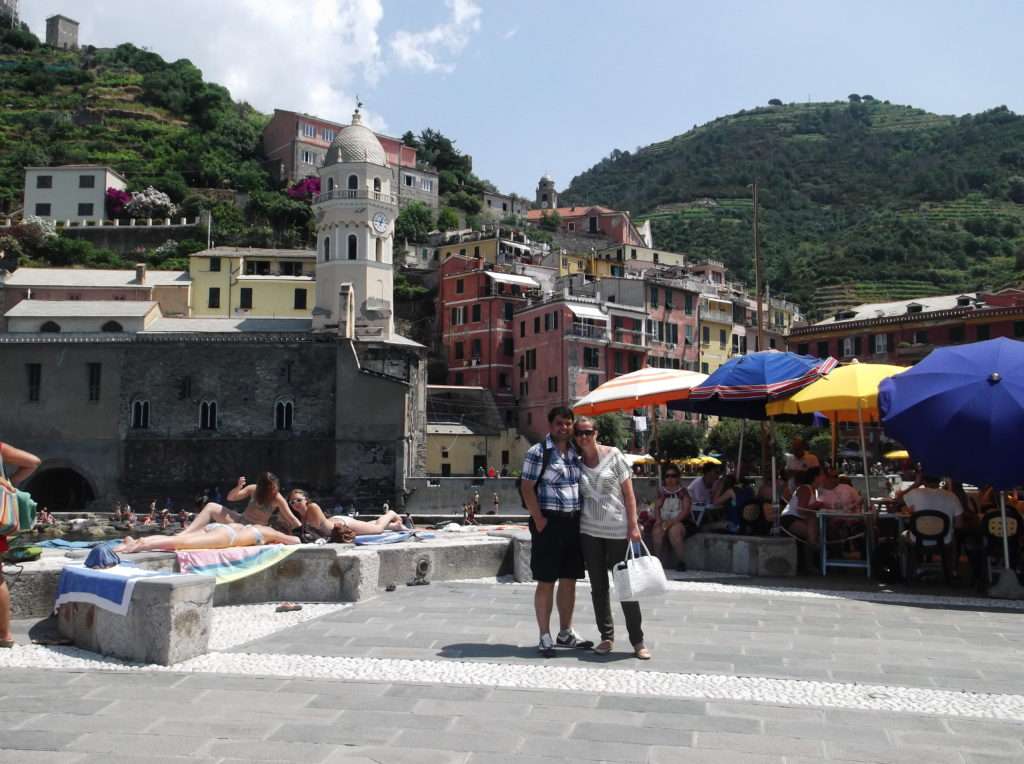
(310, 56)
(511, 33)
(424, 50)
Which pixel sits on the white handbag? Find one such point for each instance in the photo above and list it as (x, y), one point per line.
(638, 576)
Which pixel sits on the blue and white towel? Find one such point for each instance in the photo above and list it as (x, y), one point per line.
(392, 537)
(110, 588)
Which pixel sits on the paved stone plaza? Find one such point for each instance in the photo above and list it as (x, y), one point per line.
(449, 673)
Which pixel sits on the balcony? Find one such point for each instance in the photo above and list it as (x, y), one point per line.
(632, 338)
(720, 316)
(350, 193)
(586, 331)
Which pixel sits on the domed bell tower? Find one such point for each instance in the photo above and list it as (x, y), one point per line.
(355, 217)
(547, 196)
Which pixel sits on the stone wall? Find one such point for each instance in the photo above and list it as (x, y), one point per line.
(125, 239)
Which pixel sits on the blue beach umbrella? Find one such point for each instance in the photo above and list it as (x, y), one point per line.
(960, 412)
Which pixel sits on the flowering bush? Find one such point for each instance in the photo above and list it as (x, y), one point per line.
(117, 200)
(168, 249)
(150, 203)
(304, 189)
(41, 227)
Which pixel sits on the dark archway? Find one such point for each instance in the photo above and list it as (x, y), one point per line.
(61, 489)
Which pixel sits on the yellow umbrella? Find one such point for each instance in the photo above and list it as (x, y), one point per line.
(632, 459)
(849, 393)
(897, 456)
(697, 461)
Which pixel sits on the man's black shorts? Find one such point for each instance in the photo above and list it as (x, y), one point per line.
(556, 553)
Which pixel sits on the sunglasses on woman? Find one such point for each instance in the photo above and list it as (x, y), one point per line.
(585, 433)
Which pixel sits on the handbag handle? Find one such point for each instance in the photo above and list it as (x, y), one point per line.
(631, 555)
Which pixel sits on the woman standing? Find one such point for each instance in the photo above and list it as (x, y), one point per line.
(608, 524)
(25, 464)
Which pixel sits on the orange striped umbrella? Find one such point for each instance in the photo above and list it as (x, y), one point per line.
(647, 387)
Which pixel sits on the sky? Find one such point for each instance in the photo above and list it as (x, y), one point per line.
(530, 87)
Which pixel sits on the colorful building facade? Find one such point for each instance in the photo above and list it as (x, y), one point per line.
(234, 281)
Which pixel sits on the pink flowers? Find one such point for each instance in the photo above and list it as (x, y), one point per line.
(304, 189)
(117, 200)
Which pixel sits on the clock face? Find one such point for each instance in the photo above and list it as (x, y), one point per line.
(380, 222)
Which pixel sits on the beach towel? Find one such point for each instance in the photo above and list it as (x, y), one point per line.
(110, 589)
(227, 565)
(392, 537)
(62, 544)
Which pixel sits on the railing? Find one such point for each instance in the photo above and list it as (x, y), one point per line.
(629, 337)
(353, 193)
(721, 316)
(586, 331)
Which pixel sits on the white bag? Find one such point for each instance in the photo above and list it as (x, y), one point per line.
(637, 577)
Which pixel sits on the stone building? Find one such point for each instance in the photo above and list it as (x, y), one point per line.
(173, 406)
(62, 32)
(547, 196)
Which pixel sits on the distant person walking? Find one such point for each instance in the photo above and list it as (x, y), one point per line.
(24, 464)
(550, 488)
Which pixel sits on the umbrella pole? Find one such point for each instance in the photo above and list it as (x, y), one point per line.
(834, 427)
(864, 456)
(775, 485)
(739, 456)
(1007, 587)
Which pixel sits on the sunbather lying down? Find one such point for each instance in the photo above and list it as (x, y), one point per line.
(212, 536)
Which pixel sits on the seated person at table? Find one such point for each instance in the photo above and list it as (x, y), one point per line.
(799, 460)
(210, 536)
(928, 495)
(835, 494)
(702, 490)
(800, 515)
(310, 513)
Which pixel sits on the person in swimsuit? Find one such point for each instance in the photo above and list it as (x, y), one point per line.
(311, 514)
(18, 465)
(264, 500)
(211, 536)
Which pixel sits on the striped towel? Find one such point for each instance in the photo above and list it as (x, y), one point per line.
(109, 588)
(231, 564)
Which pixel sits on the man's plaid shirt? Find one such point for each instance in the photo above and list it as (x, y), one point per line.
(559, 490)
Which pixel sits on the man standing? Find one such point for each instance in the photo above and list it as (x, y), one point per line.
(551, 494)
(799, 460)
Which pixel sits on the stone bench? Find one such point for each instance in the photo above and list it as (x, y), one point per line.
(169, 619)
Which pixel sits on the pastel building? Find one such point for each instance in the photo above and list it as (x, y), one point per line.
(241, 281)
(296, 145)
(716, 330)
(466, 432)
(566, 346)
(594, 220)
(499, 246)
(476, 309)
(73, 193)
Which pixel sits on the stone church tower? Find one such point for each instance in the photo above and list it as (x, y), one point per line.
(547, 196)
(355, 215)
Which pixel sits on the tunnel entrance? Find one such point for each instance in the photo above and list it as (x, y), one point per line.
(60, 489)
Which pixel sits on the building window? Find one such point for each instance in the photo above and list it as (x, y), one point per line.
(245, 298)
(299, 300)
(572, 228)
(822, 350)
(50, 327)
(956, 335)
(802, 349)
(410, 181)
(552, 384)
(703, 368)
(140, 415)
(705, 335)
(508, 311)
(353, 246)
(618, 362)
(214, 265)
(591, 358)
(593, 380)
(460, 286)
(983, 332)
(459, 315)
(654, 297)
(95, 373)
(506, 346)
(458, 377)
(688, 304)
(721, 338)
(547, 322)
(44, 181)
(376, 185)
(43, 209)
(921, 337)
(459, 351)
(476, 312)
(283, 414)
(328, 134)
(881, 343)
(475, 349)
(536, 324)
(35, 376)
(208, 415)
(290, 268)
(87, 181)
(353, 183)
(327, 249)
(1018, 328)
(112, 326)
(655, 257)
(307, 157)
(427, 184)
(213, 300)
(522, 328)
(847, 347)
(330, 185)
(531, 360)
(257, 267)
(308, 130)
(668, 300)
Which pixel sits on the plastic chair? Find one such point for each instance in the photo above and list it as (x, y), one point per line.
(992, 529)
(927, 536)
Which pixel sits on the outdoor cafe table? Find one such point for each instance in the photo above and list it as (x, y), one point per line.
(828, 514)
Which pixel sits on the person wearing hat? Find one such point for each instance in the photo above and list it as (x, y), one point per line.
(26, 464)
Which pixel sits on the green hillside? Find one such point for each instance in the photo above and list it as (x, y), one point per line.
(894, 198)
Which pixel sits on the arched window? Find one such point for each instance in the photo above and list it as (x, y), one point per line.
(327, 248)
(140, 415)
(50, 326)
(208, 415)
(376, 185)
(330, 184)
(353, 182)
(380, 250)
(353, 246)
(283, 413)
(112, 326)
